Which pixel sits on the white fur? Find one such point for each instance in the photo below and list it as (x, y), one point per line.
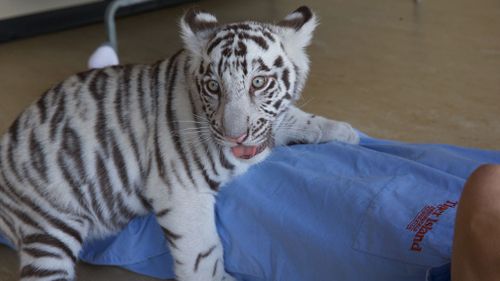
(196, 41)
(206, 17)
(182, 193)
(295, 42)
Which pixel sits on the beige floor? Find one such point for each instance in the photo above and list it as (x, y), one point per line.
(426, 72)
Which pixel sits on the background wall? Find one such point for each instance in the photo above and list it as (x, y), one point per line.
(15, 8)
(416, 71)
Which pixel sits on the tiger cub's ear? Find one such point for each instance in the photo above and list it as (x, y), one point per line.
(297, 27)
(295, 32)
(196, 29)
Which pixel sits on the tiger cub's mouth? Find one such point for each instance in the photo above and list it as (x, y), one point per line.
(247, 152)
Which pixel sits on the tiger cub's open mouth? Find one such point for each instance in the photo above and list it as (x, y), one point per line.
(247, 152)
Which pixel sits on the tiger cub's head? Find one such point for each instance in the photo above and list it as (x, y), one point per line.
(247, 74)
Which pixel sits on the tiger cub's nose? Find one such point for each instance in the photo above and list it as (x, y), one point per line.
(238, 139)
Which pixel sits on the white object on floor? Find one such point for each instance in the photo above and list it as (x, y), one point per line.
(103, 56)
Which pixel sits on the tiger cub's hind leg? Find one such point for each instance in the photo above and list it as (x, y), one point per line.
(50, 255)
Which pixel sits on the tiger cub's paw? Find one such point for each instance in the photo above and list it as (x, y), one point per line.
(336, 130)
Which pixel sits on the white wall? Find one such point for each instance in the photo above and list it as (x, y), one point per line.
(14, 8)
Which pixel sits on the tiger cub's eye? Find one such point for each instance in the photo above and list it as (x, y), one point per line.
(259, 82)
(213, 86)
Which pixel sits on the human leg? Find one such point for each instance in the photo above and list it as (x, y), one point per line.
(476, 245)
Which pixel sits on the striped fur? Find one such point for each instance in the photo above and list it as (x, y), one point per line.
(109, 144)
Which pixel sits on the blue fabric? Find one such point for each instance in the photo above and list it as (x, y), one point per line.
(4, 241)
(140, 247)
(382, 210)
(440, 273)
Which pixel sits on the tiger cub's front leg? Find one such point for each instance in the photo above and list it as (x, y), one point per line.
(189, 227)
(297, 126)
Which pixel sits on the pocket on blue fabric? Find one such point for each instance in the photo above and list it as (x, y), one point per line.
(411, 220)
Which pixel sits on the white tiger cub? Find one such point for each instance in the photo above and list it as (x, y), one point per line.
(109, 144)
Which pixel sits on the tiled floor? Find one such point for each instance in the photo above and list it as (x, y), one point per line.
(417, 71)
